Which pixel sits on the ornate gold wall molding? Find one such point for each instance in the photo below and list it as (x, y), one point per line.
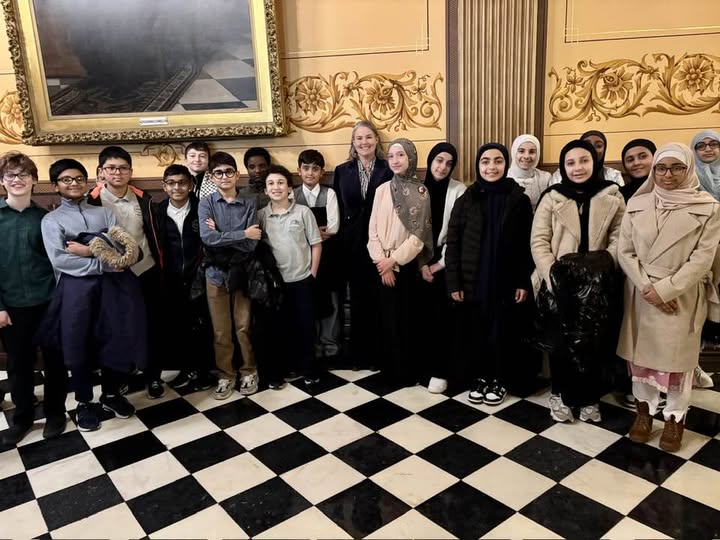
(11, 118)
(165, 153)
(392, 102)
(658, 83)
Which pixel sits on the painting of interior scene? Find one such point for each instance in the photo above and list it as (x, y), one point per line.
(146, 56)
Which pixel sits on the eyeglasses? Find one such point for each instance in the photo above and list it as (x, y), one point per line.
(68, 180)
(228, 173)
(112, 169)
(675, 169)
(179, 183)
(21, 176)
(712, 145)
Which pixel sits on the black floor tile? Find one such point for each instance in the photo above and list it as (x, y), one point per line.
(677, 516)
(243, 88)
(642, 460)
(570, 514)
(328, 381)
(379, 384)
(202, 453)
(305, 413)
(132, 449)
(372, 454)
(464, 511)
(234, 413)
(79, 501)
(453, 415)
(169, 504)
(15, 490)
(265, 506)
(458, 456)
(547, 457)
(378, 413)
(46, 451)
(703, 421)
(363, 508)
(164, 413)
(288, 452)
(528, 415)
(709, 455)
(616, 419)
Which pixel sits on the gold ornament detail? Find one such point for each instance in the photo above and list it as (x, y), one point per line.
(391, 102)
(11, 119)
(658, 83)
(166, 154)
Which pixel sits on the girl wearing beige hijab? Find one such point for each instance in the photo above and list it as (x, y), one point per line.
(668, 250)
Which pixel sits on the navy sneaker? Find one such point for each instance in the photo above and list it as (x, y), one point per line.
(117, 405)
(87, 417)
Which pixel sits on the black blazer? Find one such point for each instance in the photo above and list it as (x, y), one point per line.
(354, 210)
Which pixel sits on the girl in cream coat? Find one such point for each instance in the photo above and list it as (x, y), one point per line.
(668, 250)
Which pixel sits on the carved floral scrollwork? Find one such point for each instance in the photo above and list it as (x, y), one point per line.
(165, 153)
(11, 118)
(661, 83)
(391, 102)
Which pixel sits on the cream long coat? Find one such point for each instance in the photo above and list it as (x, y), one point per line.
(681, 262)
(556, 228)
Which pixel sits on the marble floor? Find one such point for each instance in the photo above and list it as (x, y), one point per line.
(356, 457)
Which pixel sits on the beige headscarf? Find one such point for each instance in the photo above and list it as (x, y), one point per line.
(687, 193)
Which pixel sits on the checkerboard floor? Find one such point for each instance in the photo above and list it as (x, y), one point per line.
(356, 457)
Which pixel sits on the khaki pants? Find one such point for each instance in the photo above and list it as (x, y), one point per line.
(226, 309)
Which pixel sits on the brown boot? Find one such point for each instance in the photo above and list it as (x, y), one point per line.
(642, 426)
(671, 438)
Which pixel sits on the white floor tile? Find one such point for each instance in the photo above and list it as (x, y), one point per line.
(336, 432)
(64, 473)
(147, 475)
(496, 435)
(272, 400)
(311, 523)
(352, 375)
(322, 478)
(233, 476)
(518, 526)
(346, 397)
(705, 399)
(259, 431)
(411, 524)
(10, 463)
(414, 433)
(140, 400)
(414, 480)
(629, 528)
(185, 430)
(211, 522)
(22, 521)
(691, 442)
(509, 482)
(115, 522)
(582, 436)
(204, 400)
(228, 69)
(415, 398)
(489, 409)
(113, 430)
(696, 482)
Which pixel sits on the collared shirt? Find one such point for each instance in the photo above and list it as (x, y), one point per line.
(65, 223)
(178, 215)
(26, 275)
(290, 235)
(231, 219)
(332, 209)
(129, 216)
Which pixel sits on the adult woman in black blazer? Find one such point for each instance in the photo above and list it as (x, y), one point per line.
(355, 183)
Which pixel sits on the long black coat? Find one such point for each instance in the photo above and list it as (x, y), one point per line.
(465, 232)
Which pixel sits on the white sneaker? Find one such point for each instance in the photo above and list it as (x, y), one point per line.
(591, 413)
(249, 384)
(224, 388)
(437, 386)
(702, 379)
(559, 411)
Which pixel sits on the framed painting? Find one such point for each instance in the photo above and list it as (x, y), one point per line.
(139, 70)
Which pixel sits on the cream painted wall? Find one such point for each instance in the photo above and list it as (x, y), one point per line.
(373, 41)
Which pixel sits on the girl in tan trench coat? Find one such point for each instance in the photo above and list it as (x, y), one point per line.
(667, 249)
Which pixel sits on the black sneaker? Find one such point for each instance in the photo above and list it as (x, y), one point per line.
(276, 385)
(118, 405)
(54, 427)
(86, 417)
(15, 434)
(183, 379)
(495, 394)
(155, 389)
(203, 381)
(477, 395)
(309, 381)
(123, 389)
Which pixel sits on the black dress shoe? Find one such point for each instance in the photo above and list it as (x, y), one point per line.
(54, 427)
(15, 434)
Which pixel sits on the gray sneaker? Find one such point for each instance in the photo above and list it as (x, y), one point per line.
(591, 413)
(224, 388)
(249, 384)
(559, 411)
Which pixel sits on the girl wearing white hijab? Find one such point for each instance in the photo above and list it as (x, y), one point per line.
(707, 161)
(668, 251)
(525, 155)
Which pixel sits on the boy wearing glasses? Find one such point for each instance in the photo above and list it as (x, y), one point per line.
(229, 222)
(26, 287)
(93, 320)
(134, 212)
(186, 318)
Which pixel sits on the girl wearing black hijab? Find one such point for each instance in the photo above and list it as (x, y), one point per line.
(598, 140)
(488, 266)
(637, 159)
(444, 191)
(581, 214)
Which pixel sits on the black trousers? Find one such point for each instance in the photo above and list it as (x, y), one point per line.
(18, 341)
(577, 387)
(150, 286)
(364, 286)
(438, 353)
(485, 356)
(82, 382)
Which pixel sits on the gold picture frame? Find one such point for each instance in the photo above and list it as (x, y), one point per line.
(93, 103)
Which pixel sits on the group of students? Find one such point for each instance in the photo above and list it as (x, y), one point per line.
(441, 277)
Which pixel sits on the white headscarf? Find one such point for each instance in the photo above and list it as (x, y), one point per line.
(708, 173)
(533, 180)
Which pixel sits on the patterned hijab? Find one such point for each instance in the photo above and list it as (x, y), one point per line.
(411, 199)
(708, 173)
(687, 193)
